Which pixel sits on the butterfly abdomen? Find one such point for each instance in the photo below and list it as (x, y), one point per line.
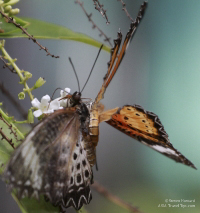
(93, 133)
(90, 151)
(94, 126)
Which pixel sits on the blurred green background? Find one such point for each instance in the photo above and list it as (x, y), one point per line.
(161, 72)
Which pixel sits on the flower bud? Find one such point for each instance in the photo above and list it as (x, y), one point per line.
(21, 95)
(30, 116)
(39, 83)
(10, 2)
(27, 74)
(8, 8)
(14, 11)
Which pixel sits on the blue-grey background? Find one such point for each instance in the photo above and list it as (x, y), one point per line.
(161, 72)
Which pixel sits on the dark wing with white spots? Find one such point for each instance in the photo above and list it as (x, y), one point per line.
(146, 127)
(52, 161)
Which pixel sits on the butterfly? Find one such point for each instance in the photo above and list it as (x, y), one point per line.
(57, 156)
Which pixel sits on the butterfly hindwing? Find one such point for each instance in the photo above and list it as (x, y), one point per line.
(146, 127)
(50, 157)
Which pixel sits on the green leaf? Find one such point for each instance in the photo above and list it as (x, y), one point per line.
(5, 147)
(32, 205)
(10, 29)
(45, 30)
(4, 157)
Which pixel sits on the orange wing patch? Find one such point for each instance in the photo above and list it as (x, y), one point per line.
(133, 121)
(146, 127)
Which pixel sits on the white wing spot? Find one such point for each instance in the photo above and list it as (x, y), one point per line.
(31, 160)
(12, 179)
(27, 183)
(47, 186)
(19, 182)
(164, 150)
(27, 152)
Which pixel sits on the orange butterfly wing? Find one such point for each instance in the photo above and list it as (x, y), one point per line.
(146, 127)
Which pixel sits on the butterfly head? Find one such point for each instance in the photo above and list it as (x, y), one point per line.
(76, 98)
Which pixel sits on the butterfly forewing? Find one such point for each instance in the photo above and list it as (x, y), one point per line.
(113, 64)
(146, 127)
(114, 52)
(52, 161)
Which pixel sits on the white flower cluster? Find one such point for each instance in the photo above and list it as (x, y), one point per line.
(47, 107)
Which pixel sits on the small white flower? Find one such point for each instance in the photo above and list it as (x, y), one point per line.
(63, 93)
(44, 106)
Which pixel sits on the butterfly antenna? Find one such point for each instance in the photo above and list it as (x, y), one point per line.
(92, 67)
(75, 73)
(53, 95)
(55, 91)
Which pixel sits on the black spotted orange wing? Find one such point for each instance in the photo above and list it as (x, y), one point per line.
(145, 127)
(52, 162)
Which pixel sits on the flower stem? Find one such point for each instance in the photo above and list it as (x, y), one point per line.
(20, 122)
(19, 72)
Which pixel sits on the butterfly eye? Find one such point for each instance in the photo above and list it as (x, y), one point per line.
(76, 96)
